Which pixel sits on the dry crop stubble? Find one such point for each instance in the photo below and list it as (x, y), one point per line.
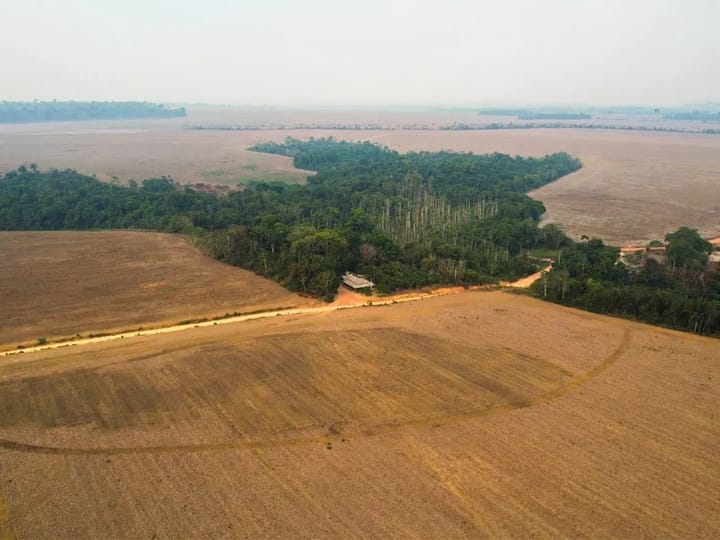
(58, 284)
(188, 156)
(466, 415)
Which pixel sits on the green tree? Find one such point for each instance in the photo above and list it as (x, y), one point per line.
(687, 249)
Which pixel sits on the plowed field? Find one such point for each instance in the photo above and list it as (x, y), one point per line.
(56, 284)
(469, 415)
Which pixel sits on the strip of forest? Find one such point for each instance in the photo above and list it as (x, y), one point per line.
(18, 112)
(455, 127)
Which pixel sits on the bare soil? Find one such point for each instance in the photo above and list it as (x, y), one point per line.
(471, 415)
(58, 284)
(189, 157)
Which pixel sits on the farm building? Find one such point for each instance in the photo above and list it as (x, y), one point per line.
(637, 257)
(356, 282)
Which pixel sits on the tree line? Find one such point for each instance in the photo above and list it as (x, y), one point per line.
(56, 111)
(574, 125)
(695, 116)
(680, 291)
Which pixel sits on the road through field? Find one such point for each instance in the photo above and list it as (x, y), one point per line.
(344, 301)
(228, 320)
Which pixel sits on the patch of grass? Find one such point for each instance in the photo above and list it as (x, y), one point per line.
(250, 172)
(544, 253)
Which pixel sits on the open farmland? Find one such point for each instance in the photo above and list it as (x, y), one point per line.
(188, 156)
(494, 414)
(56, 284)
(634, 186)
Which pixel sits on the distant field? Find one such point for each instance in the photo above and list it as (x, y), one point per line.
(56, 284)
(634, 187)
(473, 415)
(185, 155)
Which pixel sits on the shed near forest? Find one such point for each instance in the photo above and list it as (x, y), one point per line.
(356, 282)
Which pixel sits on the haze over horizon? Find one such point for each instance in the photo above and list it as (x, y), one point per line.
(643, 52)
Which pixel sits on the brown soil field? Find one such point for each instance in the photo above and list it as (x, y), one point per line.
(462, 416)
(634, 186)
(188, 156)
(58, 284)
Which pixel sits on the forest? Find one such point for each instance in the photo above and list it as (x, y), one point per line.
(15, 112)
(679, 291)
(405, 220)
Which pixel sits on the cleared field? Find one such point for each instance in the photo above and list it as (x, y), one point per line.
(471, 415)
(187, 156)
(634, 186)
(56, 284)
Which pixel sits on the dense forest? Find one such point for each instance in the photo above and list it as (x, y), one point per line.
(12, 112)
(405, 220)
(677, 291)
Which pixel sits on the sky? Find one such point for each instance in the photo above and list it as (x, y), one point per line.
(369, 52)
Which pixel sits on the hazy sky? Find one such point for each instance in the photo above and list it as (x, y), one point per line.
(365, 52)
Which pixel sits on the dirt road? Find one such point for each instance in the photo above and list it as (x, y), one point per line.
(229, 320)
(345, 300)
(524, 283)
